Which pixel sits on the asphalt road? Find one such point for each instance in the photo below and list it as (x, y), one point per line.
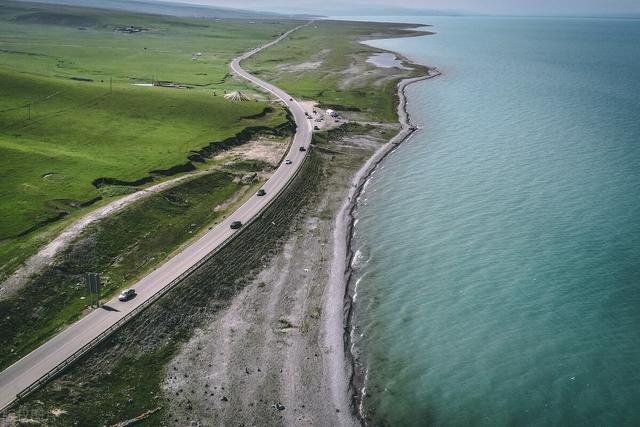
(60, 348)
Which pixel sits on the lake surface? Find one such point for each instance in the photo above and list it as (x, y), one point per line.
(499, 250)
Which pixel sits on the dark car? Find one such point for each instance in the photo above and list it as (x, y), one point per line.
(303, 149)
(235, 225)
(127, 294)
(261, 192)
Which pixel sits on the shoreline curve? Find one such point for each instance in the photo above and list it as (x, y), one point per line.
(339, 316)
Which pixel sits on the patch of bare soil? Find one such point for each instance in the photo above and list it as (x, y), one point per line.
(265, 149)
(314, 63)
(304, 66)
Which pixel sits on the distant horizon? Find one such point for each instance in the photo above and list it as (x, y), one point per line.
(522, 8)
(192, 8)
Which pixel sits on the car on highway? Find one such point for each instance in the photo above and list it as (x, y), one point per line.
(235, 225)
(127, 294)
(303, 149)
(261, 192)
(288, 162)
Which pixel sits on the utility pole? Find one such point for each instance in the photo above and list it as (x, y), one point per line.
(90, 294)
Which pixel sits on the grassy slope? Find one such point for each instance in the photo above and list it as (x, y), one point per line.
(122, 247)
(341, 77)
(146, 135)
(81, 131)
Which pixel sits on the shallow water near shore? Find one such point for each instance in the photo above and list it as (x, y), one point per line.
(498, 268)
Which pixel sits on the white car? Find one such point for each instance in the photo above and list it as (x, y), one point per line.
(288, 162)
(127, 294)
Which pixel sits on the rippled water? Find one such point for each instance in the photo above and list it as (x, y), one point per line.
(499, 277)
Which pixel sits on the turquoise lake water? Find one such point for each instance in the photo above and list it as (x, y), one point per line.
(499, 250)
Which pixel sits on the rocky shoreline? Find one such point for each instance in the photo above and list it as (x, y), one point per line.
(345, 231)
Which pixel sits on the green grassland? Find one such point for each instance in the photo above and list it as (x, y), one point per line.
(326, 62)
(103, 126)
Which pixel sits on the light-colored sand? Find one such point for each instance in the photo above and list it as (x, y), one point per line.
(281, 340)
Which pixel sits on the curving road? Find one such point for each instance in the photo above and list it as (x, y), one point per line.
(58, 350)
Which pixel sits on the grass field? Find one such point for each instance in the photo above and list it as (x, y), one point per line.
(326, 62)
(59, 134)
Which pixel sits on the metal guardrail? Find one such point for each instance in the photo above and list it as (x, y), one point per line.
(146, 304)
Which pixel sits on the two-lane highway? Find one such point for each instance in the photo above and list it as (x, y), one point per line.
(59, 349)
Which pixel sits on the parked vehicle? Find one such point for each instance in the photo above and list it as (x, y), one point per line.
(127, 294)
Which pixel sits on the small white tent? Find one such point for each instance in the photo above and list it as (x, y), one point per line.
(236, 96)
